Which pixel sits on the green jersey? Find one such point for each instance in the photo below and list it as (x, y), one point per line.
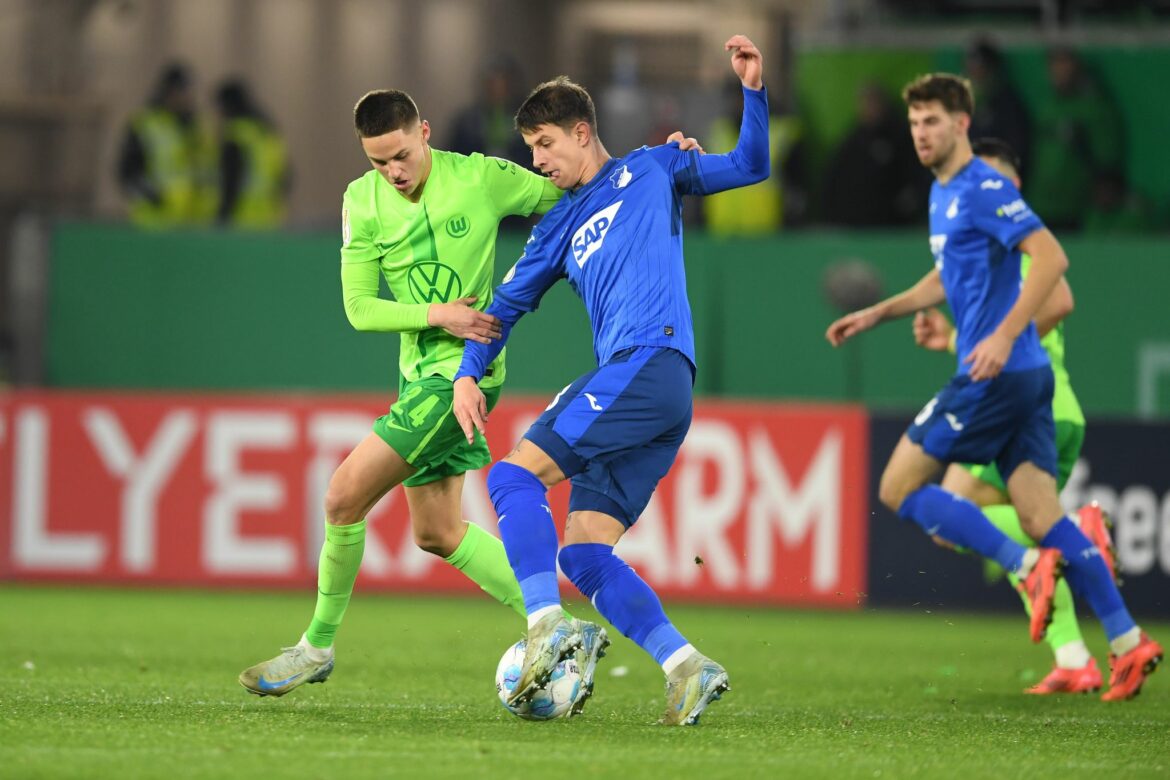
(1065, 406)
(434, 251)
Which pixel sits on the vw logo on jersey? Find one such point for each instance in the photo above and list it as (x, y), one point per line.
(432, 282)
(621, 177)
(589, 237)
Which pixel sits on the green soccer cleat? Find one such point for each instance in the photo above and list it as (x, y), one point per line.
(550, 641)
(594, 640)
(291, 669)
(694, 684)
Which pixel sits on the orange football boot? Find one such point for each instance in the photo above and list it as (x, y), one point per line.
(1087, 679)
(1039, 587)
(1131, 670)
(1095, 524)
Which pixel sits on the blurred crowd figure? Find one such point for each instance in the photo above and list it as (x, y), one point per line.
(487, 124)
(779, 200)
(873, 178)
(999, 110)
(177, 169)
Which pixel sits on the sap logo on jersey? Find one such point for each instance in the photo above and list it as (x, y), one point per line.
(589, 237)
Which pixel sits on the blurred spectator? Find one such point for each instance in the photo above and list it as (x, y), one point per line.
(253, 162)
(166, 164)
(764, 207)
(1116, 209)
(486, 126)
(999, 111)
(1082, 137)
(874, 178)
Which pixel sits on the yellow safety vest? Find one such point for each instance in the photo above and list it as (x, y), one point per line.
(179, 165)
(757, 209)
(260, 203)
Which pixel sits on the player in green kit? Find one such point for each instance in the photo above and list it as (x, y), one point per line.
(1075, 671)
(426, 220)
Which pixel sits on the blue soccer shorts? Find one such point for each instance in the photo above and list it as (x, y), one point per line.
(615, 431)
(1006, 421)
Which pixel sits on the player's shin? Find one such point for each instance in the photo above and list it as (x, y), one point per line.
(1090, 577)
(625, 600)
(957, 520)
(341, 556)
(529, 536)
(482, 559)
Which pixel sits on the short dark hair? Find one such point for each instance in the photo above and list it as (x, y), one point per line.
(997, 149)
(954, 92)
(383, 111)
(559, 102)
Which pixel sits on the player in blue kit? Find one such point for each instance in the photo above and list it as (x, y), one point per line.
(617, 237)
(998, 406)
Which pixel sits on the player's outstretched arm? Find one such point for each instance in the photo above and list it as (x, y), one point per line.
(928, 291)
(462, 321)
(746, 61)
(932, 330)
(1056, 307)
(470, 407)
(1049, 263)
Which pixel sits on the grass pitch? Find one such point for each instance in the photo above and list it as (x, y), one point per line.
(116, 683)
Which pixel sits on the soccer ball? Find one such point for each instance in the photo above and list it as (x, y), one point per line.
(551, 701)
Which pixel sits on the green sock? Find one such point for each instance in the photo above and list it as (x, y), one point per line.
(341, 555)
(1064, 627)
(482, 559)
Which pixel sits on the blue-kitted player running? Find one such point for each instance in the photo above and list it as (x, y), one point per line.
(617, 237)
(998, 407)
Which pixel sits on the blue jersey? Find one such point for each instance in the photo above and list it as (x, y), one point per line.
(618, 241)
(977, 220)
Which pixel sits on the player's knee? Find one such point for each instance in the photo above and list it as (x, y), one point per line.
(341, 503)
(504, 478)
(438, 541)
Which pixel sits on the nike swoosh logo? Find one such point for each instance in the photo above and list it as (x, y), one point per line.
(272, 686)
(397, 427)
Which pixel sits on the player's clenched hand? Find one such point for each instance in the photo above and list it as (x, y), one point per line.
(462, 321)
(989, 357)
(470, 407)
(932, 330)
(746, 61)
(850, 325)
(685, 144)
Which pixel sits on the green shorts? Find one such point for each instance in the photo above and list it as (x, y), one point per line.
(1069, 438)
(421, 427)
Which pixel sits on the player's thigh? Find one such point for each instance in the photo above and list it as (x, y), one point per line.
(981, 484)
(620, 486)
(370, 470)
(908, 469)
(1033, 493)
(436, 513)
(629, 402)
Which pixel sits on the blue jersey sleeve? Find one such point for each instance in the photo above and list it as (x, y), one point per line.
(519, 293)
(999, 211)
(749, 162)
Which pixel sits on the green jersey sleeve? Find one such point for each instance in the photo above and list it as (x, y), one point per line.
(360, 271)
(514, 190)
(366, 311)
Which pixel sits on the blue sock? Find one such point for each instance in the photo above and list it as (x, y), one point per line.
(622, 597)
(528, 532)
(1088, 575)
(957, 520)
